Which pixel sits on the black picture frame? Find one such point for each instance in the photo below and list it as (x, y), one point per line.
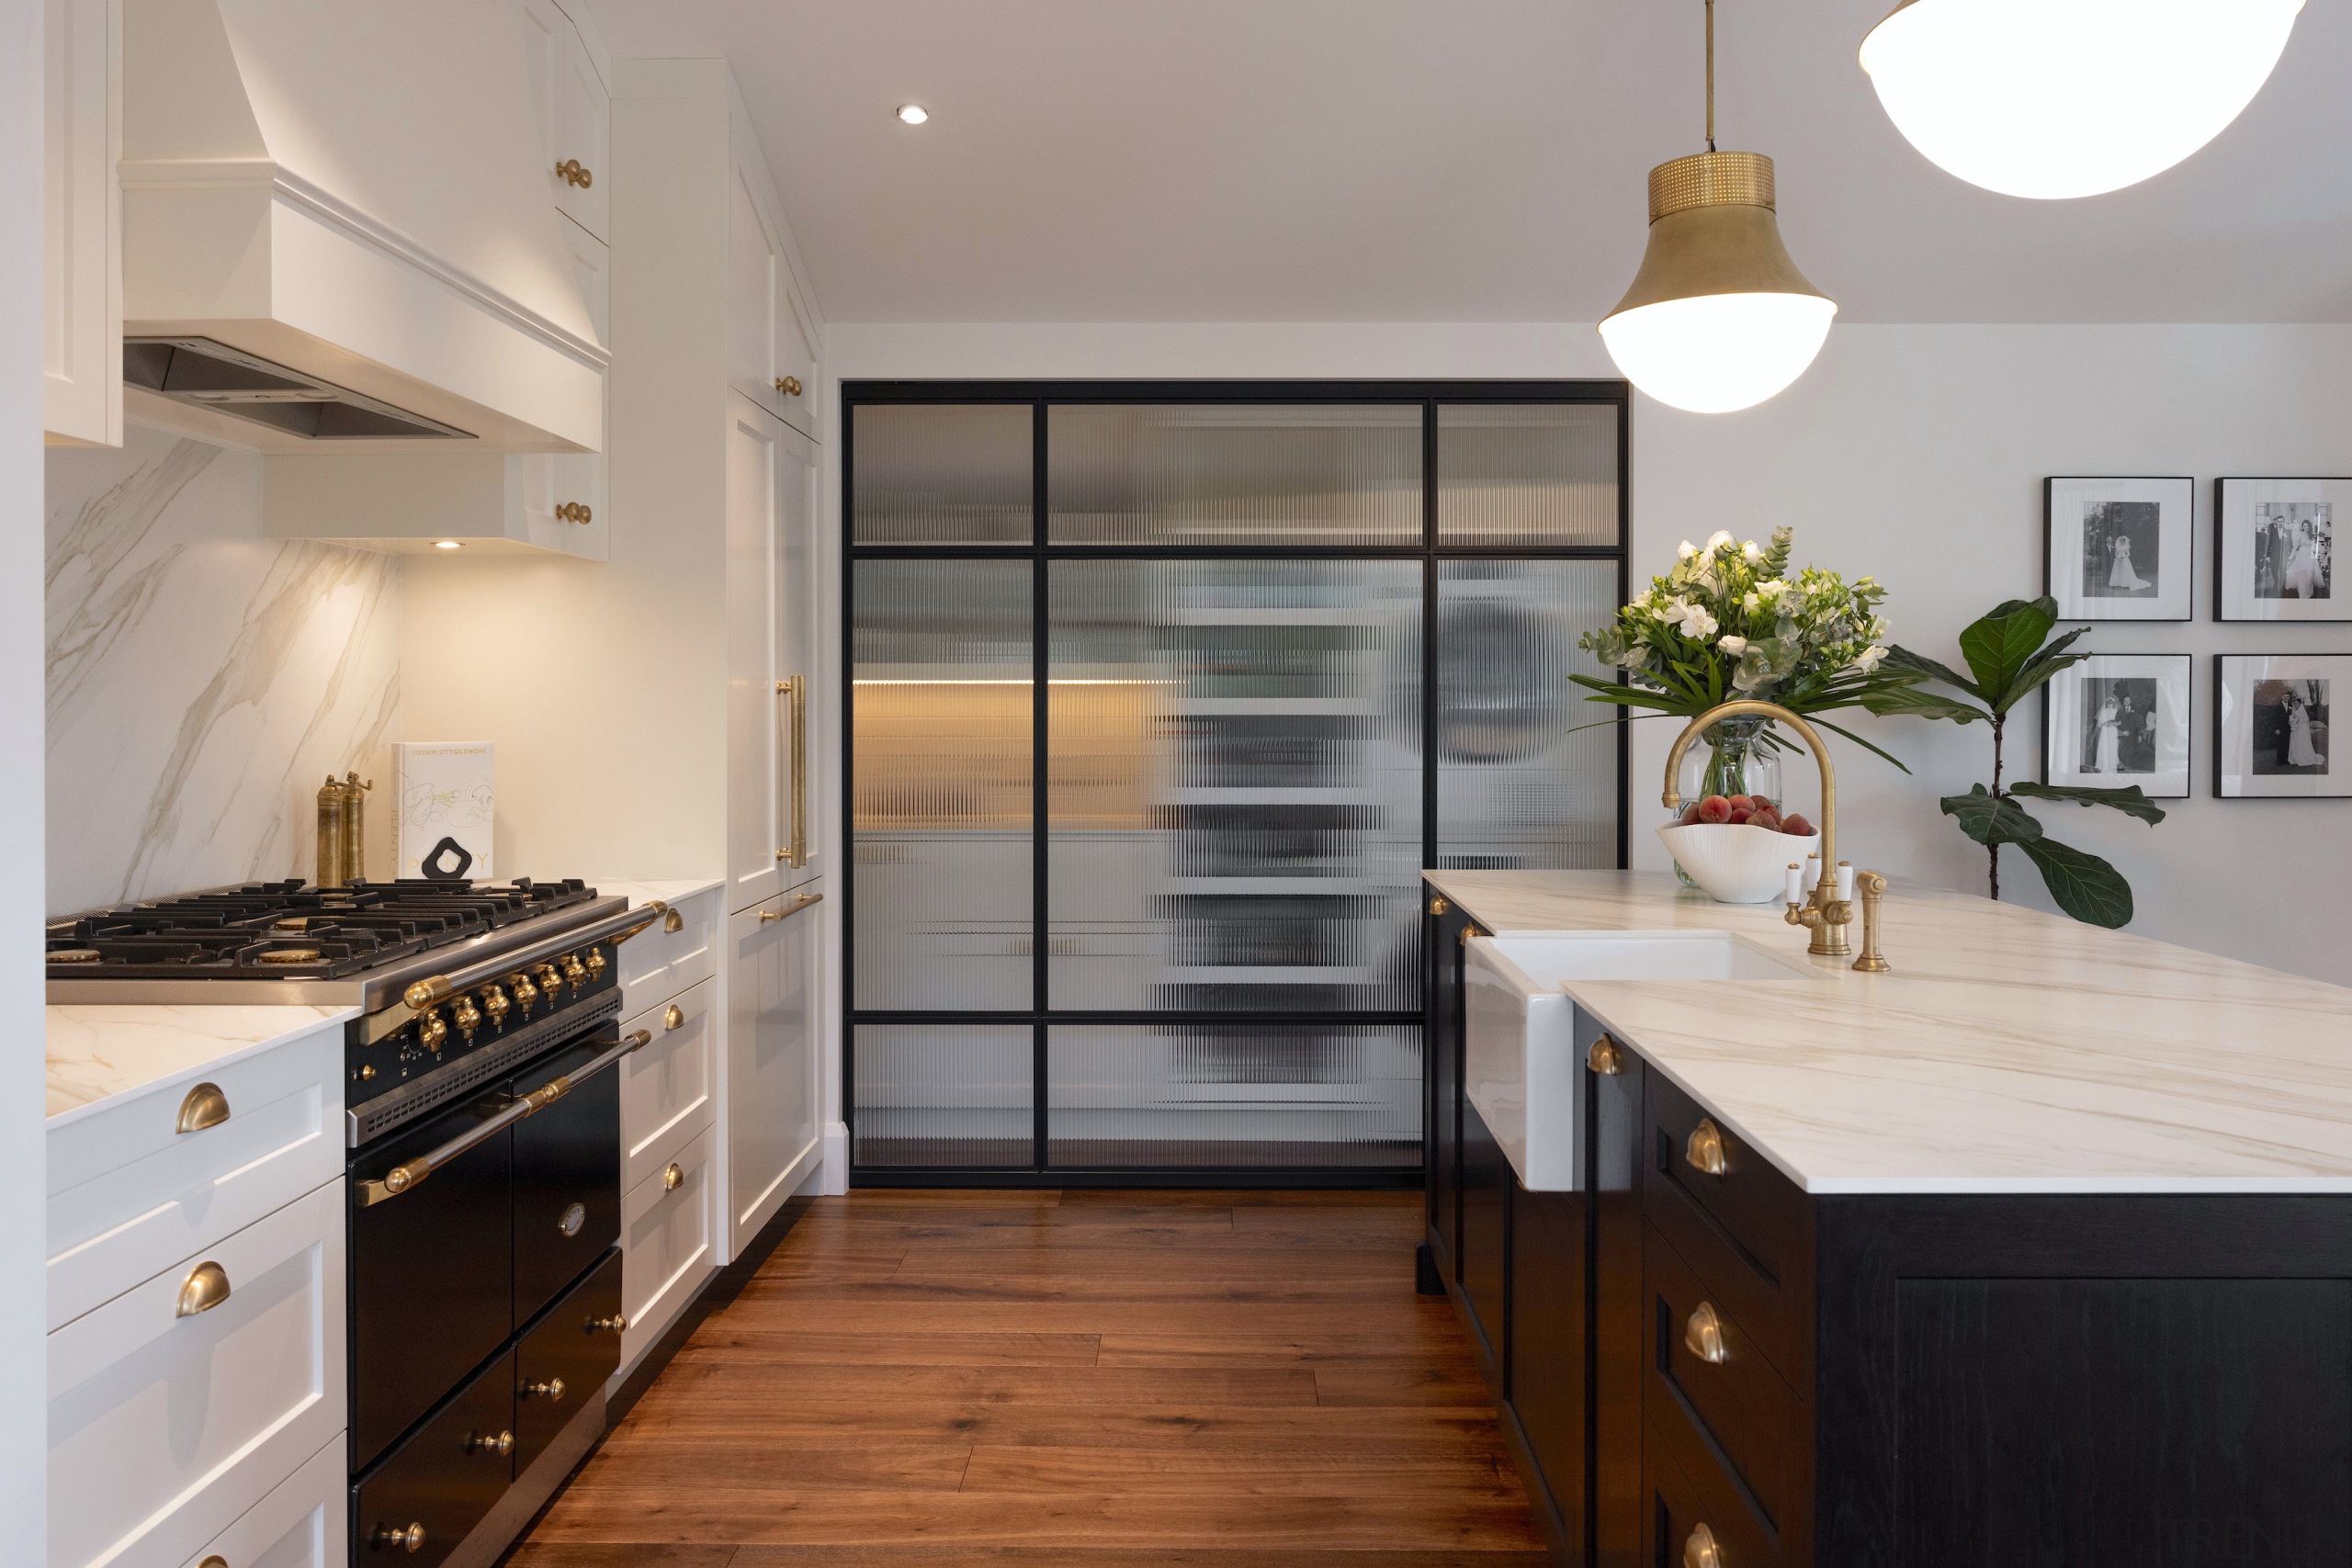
(2231, 748)
(2174, 496)
(2239, 595)
(2158, 784)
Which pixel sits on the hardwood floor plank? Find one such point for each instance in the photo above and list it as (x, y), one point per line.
(1230, 1469)
(1082, 1557)
(1391, 1381)
(931, 1386)
(1239, 1347)
(775, 1347)
(690, 1461)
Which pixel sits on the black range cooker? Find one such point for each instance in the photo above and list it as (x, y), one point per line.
(483, 1124)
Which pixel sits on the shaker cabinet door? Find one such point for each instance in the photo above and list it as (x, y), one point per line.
(755, 830)
(573, 113)
(770, 1091)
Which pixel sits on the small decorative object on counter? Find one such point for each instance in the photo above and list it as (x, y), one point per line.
(2009, 654)
(342, 847)
(446, 803)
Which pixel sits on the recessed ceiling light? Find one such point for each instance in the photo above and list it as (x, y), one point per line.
(448, 545)
(913, 114)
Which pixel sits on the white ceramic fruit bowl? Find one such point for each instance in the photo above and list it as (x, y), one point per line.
(1740, 864)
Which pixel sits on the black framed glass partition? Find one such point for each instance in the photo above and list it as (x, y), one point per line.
(1160, 697)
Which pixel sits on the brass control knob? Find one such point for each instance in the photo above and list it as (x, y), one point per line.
(494, 1002)
(408, 1540)
(673, 1016)
(595, 961)
(574, 971)
(431, 1029)
(551, 980)
(502, 1444)
(552, 1390)
(525, 991)
(469, 1016)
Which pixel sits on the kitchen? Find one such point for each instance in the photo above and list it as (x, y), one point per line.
(965, 903)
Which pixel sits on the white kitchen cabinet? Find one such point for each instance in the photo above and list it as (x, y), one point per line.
(300, 1525)
(572, 103)
(670, 1233)
(770, 1089)
(82, 223)
(668, 1085)
(493, 502)
(770, 333)
(673, 955)
(755, 845)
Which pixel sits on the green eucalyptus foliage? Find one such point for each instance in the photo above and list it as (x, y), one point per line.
(2010, 654)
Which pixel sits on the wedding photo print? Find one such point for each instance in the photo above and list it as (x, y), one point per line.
(2276, 714)
(2120, 719)
(2277, 542)
(2119, 548)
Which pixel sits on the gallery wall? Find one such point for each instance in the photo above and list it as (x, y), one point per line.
(1915, 454)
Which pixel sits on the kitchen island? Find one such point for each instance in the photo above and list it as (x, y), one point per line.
(2037, 1248)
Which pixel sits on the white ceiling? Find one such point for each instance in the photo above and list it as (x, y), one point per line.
(1451, 159)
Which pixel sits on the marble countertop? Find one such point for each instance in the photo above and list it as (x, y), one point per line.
(2008, 1051)
(642, 893)
(97, 1053)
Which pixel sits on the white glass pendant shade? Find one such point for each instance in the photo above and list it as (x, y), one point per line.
(2056, 98)
(1718, 318)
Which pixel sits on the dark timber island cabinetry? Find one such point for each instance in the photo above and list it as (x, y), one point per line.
(1700, 1364)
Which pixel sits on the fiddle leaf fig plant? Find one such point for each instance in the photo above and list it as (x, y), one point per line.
(2010, 654)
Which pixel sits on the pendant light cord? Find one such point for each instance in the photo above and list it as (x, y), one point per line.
(1711, 76)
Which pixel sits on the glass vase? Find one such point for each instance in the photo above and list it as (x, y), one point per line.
(1733, 757)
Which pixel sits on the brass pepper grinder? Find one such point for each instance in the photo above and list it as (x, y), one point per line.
(328, 870)
(355, 828)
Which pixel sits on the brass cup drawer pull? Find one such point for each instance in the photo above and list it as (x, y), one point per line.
(673, 1016)
(550, 1389)
(1603, 1057)
(574, 172)
(1700, 1551)
(205, 1287)
(205, 1106)
(1704, 1147)
(1702, 1336)
(408, 1540)
(1437, 903)
(672, 1175)
(215, 1560)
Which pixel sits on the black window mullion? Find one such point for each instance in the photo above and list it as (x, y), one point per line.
(1041, 698)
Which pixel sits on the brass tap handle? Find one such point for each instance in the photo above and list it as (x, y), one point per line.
(1873, 887)
(205, 1106)
(1702, 1336)
(1704, 1147)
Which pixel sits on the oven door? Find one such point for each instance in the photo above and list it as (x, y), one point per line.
(431, 1272)
(566, 1175)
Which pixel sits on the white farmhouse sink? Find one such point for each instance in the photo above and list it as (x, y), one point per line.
(1520, 1066)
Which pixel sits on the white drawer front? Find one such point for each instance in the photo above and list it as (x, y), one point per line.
(164, 1429)
(129, 1195)
(659, 963)
(301, 1524)
(666, 1086)
(667, 1239)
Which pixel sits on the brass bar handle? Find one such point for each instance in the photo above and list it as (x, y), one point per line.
(1603, 1057)
(1702, 1336)
(1700, 1549)
(1704, 1147)
(205, 1106)
(794, 689)
(205, 1287)
(800, 902)
(574, 172)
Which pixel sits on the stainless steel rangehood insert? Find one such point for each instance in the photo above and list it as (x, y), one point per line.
(212, 375)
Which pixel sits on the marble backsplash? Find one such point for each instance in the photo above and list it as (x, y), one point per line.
(202, 679)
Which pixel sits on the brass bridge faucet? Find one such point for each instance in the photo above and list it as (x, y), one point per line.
(1822, 911)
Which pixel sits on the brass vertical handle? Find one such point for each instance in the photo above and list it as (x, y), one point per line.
(794, 689)
(1702, 1336)
(1704, 1147)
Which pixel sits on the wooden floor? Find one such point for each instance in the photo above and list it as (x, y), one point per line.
(1069, 1380)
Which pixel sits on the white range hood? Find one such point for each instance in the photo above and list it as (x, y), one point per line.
(352, 191)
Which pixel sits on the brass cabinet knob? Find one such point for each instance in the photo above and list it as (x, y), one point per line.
(1704, 1147)
(1702, 1336)
(494, 1002)
(551, 1390)
(673, 1174)
(574, 512)
(595, 961)
(789, 385)
(574, 174)
(1438, 905)
(469, 1016)
(673, 1016)
(205, 1287)
(502, 1444)
(205, 1106)
(431, 1029)
(574, 971)
(368, 1071)
(1604, 1058)
(1700, 1551)
(408, 1540)
(614, 1325)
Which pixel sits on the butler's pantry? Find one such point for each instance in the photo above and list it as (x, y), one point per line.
(1356, 783)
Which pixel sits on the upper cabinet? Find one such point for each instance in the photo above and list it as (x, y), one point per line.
(770, 333)
(573, 109)
(82, 269)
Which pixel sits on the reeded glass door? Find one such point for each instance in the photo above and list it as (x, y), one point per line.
(1159, 704)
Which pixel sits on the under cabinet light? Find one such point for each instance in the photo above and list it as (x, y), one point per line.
(448, 545)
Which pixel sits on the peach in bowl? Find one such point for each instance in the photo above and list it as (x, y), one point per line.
(1739, 846)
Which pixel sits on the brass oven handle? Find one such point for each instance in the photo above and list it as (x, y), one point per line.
(205, 1106)
(408, 1173)
(205, 1287)
(1702, 1336)
(1700, 1551)
(1704, 1147)
(799, 902)
(435, 989)
(1604, 1058)
(795, 690)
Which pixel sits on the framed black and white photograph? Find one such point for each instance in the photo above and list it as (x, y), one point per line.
(2120, 719)
(2119, 548)
(2275, 541)
(2275, 712)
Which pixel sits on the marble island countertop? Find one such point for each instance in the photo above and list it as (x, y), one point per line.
(640, 894)
(99, 1051)
(2008, 1051)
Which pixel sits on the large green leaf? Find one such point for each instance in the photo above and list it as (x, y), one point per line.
(1991, 819)
(2083, 886)
(2130, 800)
(1999, 646)
(1926, 705)
(2048, 662)
(1926, 668)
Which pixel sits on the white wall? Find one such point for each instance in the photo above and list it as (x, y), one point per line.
(1914, 454)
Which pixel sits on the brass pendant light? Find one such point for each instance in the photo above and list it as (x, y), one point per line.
(1718, 318)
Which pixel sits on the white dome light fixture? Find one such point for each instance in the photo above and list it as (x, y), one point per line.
(2058, 98)
(912, 114)
(1718, 318)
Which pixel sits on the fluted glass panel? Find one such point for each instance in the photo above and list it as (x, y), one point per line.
(955, 1094)
(1235, 785)
(941, 778)
(943, 473)
(1260, 474)
(1234, 1096)
(1515, 787)
(1539, 474)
